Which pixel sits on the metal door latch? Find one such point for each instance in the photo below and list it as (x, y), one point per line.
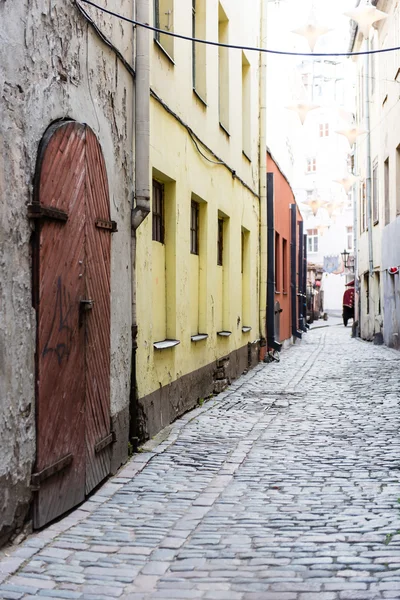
(86, 305)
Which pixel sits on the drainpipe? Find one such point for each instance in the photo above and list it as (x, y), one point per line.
(142, 181)
(263, 177)
(368, 170)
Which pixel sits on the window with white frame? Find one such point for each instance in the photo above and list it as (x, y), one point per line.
(311, 165)
(349, 238)
(323, 129)
(312, 240)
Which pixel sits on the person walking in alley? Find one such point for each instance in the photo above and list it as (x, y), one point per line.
(348, 303)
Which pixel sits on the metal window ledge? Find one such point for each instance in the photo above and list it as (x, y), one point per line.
(224, 333)
(165, 344)
(246, 329)
(199, 336)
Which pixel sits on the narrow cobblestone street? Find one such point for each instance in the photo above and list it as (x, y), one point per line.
(285, 487)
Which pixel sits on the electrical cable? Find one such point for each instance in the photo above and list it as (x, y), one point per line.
(105, 40)
(196, 140)
(234, 46)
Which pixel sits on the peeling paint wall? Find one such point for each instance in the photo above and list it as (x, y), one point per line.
(52, 66)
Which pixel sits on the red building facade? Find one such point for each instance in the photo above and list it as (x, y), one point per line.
(287, 266)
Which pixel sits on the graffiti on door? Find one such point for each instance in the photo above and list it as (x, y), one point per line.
(60, 336)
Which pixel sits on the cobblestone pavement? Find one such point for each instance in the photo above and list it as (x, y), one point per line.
(285, 487)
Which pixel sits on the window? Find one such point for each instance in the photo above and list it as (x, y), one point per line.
(220, 242)
(246, 107)
(398, 180)
(194, 228)
(223, 69)
(312, 240)
(387, 189)
(363, 207)
(349, 236)
(277, 263)
(163, 19)
(284, 266)
(199, 50)
(311, 165)
(375, 193)
(158, 212)
(323, 129)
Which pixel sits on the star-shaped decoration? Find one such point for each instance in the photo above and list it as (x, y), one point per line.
(351, 134)
(365, 16)
(312, 33)
(302, 110)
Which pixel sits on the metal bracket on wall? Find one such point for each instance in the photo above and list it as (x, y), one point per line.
(38, 211)
(111, 226)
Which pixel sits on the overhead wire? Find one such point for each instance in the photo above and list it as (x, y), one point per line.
(234, 46)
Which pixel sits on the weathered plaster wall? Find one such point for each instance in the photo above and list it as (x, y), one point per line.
(52, 66)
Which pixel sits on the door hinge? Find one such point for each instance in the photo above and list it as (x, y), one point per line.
(60, 465)
(110, 439)
(37, 211)
(111, 226)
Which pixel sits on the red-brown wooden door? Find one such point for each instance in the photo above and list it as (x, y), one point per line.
(72, 298)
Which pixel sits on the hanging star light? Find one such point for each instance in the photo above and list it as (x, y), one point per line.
(352, 133)
(348, 181)
(314, 204)
(365, 16)
(302, 109)
(312, 33)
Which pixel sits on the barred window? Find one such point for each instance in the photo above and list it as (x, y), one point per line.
(158, 212)
(194, 228)
(220, 247)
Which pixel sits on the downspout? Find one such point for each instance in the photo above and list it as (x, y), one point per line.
(141, 130)
(293, 271)
(263, 177)
(271, 342)
(368, 169)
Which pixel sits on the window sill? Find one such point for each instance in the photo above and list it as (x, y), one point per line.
(246, 156)
(203, 102)
(199, 337)
(226, 132)
(246, 329)
(224, 333)
(276, 292)
(165, 344)
(164, 52)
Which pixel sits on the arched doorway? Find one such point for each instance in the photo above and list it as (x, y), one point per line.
(71, 279)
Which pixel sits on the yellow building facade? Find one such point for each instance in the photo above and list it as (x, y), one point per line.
(197, 260)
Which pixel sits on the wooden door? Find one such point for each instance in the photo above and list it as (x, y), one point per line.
(72, 299)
